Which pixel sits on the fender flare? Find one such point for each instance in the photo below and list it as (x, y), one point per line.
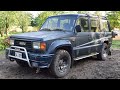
(57, 44)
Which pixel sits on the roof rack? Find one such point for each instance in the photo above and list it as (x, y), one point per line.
(104, 17)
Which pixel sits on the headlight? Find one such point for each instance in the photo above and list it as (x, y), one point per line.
(36, 45)
(11, 42)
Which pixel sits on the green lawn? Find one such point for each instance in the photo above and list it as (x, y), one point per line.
(116, 44)
(2, 52)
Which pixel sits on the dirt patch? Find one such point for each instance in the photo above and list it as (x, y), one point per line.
(117, 38)
(89, 68)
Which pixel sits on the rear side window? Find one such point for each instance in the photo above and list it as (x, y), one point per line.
(95, 26)
(83, 22)
(104, 26)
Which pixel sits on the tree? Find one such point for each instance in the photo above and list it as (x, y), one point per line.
(2, 23)
(7, 19)
(98, 13)
(24, 20)
(42, 17)
(58, 12)
(114, 18)
(82, 12)
(10, 19)
(38, 21)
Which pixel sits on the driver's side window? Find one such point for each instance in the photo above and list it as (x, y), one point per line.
(83, 22)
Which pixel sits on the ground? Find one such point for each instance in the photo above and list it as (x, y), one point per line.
(89, 68)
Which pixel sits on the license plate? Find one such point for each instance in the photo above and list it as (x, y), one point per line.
(18, 55)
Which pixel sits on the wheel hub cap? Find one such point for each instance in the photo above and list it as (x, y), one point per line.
(62, 67)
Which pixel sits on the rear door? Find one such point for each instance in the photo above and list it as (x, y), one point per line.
(95, 34)
(99, 30)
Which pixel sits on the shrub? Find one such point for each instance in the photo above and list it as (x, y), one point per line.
(4, 42)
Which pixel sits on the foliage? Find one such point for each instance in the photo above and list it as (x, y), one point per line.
(114, 18)
(38, 21)
(97, 13)
(4, 42)
(82, 12)
(2, 23)
(12, 18)
(24, 20)
(7, 19)
(42, 17)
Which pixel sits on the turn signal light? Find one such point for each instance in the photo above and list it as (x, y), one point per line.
(43, 46)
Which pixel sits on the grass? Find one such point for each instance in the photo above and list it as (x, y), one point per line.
(116, 44)
(2, 52)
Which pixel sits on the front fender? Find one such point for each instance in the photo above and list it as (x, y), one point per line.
(56, 44)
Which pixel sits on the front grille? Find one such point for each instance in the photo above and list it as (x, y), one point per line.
(28, 44)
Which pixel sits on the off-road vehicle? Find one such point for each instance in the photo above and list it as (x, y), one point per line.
(61, 40)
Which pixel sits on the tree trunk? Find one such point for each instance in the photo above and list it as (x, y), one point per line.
(6, 31)
(1, 33)
(22, 29)
(7, 26)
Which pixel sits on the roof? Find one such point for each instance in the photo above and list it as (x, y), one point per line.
(78, 15)
(70, 15)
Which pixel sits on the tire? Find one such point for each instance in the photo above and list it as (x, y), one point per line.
(22, 63)
(103, 55)
(61, 64)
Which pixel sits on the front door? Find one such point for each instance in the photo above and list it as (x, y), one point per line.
(82, 38)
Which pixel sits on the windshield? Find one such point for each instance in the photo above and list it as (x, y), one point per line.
(56, 23)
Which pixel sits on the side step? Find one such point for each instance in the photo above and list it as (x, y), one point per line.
(78, 58)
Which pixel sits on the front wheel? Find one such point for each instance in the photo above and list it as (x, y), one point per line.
(61, 63)
(103, 55)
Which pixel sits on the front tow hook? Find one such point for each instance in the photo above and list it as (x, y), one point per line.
(37, 70)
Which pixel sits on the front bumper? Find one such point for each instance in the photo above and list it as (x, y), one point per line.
(33, 59)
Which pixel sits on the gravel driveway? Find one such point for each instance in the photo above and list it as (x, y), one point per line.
(89, 68)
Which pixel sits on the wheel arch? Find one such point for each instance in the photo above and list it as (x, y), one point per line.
(61, 44)
(107, 42)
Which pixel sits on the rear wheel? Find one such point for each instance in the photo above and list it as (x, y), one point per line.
(61, 63)
(22, 63)
(103, 55)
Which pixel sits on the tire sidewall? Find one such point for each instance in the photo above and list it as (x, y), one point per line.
(103, 50)
(60, 54)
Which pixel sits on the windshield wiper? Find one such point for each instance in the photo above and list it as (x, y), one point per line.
(58, 29)
(45, 29)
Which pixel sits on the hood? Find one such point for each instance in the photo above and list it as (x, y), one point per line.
(42, 35)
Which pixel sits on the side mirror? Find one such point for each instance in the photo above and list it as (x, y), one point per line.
(78, 28)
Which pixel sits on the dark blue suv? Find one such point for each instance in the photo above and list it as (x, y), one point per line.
(61, 40)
